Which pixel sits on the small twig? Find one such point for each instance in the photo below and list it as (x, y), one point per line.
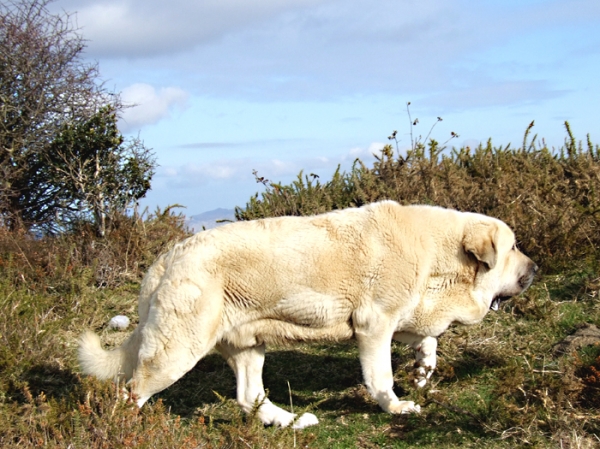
(245, 442)
(439, 119)
(292, 409)
(395, 139)
(412, 142)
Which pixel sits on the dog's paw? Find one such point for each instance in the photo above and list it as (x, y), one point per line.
(278, 417)
(421, 375)
(404, 407)
(306, 420)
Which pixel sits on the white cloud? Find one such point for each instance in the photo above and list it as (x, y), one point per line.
(364, 154)
(141, 28)
(273, 169)
(219, 170)
(230, 181)
(194, 174)
(323, 49)
(148, 105)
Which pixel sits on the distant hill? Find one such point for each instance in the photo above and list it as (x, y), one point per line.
(209, 219)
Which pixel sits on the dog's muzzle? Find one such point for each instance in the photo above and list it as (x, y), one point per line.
(523, 283)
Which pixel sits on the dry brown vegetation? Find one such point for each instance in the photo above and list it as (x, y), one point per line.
(54, 263)
(500, 384)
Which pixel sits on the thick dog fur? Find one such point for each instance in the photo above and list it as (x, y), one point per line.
(375, 273)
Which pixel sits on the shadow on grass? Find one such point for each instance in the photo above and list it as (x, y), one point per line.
(329, 379)
(436, 424)
(331, 383)
(313, 378)
(306, 374)
(44, 378)
(475, 361)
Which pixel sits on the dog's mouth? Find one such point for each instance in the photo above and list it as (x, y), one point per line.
(522, 284)
(495, 305)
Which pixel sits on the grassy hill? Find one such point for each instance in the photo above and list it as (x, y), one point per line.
(511, 381)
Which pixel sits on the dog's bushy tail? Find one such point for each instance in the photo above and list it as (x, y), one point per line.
(103, 364)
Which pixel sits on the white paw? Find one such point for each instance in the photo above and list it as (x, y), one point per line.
(306, 420)
(277, 417)
(419, 383)
(404, 407)
(422, 374)
(270, 414)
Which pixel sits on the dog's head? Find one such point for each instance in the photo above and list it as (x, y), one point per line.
(503, 271)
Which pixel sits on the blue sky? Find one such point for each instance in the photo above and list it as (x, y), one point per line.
(225, 87)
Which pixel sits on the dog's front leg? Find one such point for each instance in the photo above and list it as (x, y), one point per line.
(426, 360)
(376, 361)
(425, 355)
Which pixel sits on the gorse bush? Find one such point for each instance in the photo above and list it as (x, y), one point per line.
(549, 197)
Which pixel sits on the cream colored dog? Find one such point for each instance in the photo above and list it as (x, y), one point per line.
(375, 273)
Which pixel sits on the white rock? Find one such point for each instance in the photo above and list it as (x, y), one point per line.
(119, 322)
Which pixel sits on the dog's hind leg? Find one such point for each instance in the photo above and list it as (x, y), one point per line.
(176, 335)
(247, 363)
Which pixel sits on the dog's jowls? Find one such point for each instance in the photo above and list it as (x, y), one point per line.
(377, 273)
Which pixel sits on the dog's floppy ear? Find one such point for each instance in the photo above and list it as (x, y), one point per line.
(480, 241)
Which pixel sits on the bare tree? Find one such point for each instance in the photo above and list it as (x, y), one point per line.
(47, 91)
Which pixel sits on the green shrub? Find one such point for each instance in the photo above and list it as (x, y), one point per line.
(549, 197)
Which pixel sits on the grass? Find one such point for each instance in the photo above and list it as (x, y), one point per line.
(497, 384)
